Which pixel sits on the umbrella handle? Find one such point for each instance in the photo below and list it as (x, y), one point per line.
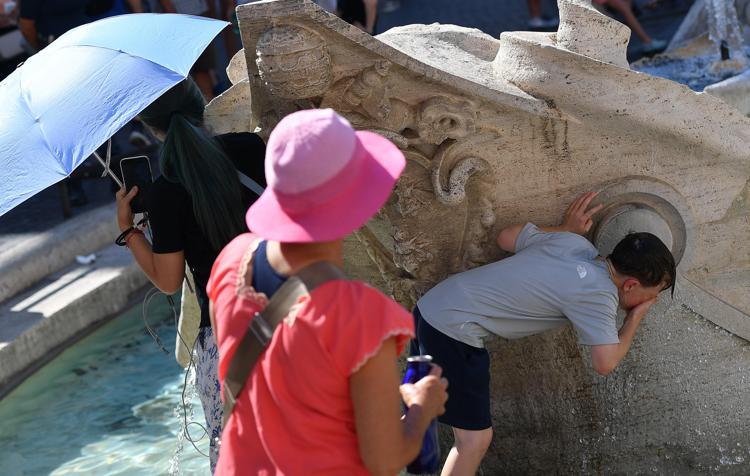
(108, 170)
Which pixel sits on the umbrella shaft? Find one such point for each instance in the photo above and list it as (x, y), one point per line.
(108, 170)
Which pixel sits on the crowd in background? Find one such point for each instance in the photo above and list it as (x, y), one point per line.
(41, 21)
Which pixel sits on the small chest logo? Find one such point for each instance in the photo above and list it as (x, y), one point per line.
(581, 271)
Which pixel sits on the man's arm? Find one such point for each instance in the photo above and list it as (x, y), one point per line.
(577, 219)
(506, 240)
(604, 358)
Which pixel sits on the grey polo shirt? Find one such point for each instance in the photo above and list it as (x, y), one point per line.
(553, 279)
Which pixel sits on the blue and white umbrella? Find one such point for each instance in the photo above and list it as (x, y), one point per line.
(67, 100)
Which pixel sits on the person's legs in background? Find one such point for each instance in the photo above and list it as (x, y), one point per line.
(390, 6)
(371, 16)
(72, 193)
(203, 69)
(535, 8)
(536, 20)
(205, 82)
(201, 73)
(625, 8)
(469, 447)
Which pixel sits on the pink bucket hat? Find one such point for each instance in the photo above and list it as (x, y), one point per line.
(324, 179)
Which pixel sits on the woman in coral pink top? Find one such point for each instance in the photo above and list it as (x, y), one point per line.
(323, 398)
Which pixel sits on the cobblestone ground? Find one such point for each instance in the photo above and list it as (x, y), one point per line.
(44, 210)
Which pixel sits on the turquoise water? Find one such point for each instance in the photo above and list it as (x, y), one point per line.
(109, 405)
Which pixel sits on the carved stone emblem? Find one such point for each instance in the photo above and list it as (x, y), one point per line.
(293, 62)
(365, 94)
(444, 118)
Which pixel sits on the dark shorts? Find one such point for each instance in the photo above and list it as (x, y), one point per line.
(467, 369)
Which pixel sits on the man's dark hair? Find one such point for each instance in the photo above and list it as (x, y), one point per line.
(644, 257)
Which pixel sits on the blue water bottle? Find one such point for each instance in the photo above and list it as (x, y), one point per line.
(428, 459)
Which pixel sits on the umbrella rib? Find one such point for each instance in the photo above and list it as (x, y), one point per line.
(31, 114)
(124, 53)
(27, 106)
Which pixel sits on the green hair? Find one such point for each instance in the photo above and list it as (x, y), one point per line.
(191, 157)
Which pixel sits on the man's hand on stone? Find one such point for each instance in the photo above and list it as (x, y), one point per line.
(578, 216)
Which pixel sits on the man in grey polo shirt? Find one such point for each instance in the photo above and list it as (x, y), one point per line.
(555, 277)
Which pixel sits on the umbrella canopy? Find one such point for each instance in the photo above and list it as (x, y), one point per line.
(68, 99)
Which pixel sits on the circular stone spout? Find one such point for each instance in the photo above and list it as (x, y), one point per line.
(631, 219)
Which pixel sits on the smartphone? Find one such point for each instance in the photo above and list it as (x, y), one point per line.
(136, 171)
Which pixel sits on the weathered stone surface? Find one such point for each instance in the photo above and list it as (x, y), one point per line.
(502, 131)
(734, 91)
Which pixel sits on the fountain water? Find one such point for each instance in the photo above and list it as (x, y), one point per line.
(723, 26)
(103, 407)
(709, 52)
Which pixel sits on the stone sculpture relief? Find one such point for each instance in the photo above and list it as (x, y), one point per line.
(293, 62)
(501, 131)
(364, 95)
(442, 118)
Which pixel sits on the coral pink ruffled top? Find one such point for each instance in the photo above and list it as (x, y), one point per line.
(294, 415)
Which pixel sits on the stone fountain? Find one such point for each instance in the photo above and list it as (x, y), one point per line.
(502, 131)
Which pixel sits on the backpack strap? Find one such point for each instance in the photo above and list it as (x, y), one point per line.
(264, 323)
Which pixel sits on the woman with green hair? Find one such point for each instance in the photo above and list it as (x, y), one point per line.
(194, 208)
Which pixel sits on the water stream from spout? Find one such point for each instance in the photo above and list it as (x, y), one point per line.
(723, 25)
(718, 19)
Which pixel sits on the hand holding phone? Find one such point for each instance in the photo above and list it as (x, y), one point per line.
(136, 171)
(124, 212)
